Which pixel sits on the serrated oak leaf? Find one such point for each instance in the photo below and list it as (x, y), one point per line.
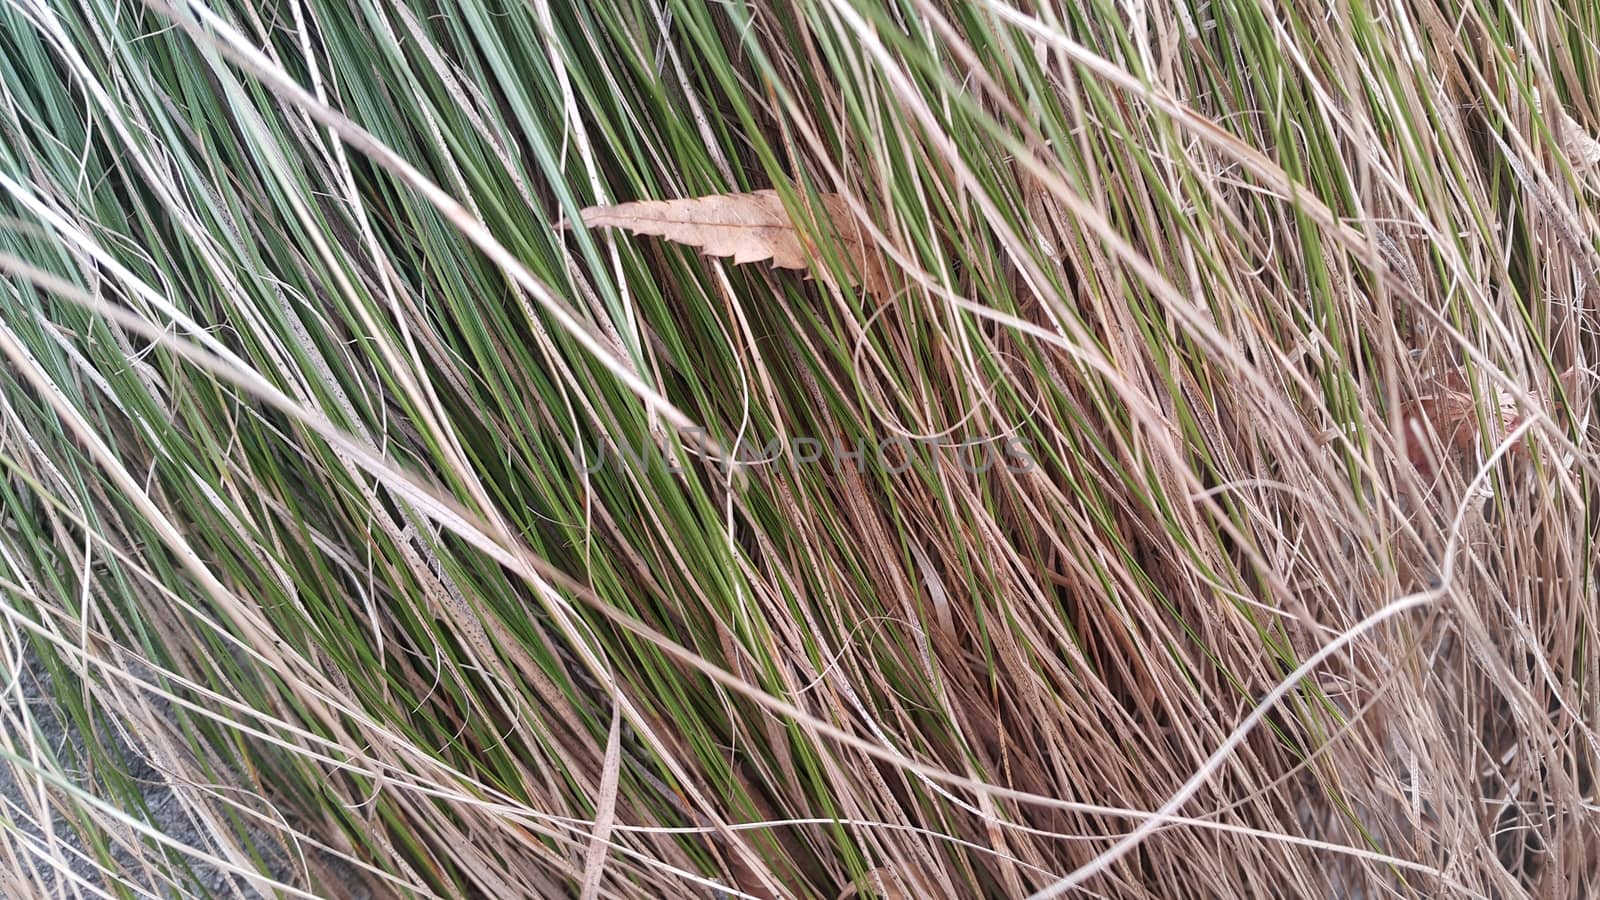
(751, 227)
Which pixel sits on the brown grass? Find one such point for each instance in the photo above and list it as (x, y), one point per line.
(1294, 309)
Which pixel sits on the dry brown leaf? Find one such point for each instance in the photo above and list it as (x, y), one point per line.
(752, 227)
(1449, 407)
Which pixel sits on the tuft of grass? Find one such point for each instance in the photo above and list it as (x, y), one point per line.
(370, 531)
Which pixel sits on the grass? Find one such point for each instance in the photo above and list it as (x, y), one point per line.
(315, 401)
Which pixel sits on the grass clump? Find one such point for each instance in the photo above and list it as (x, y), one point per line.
(382, 517)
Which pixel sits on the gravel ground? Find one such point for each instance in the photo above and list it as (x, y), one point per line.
(167, 814)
